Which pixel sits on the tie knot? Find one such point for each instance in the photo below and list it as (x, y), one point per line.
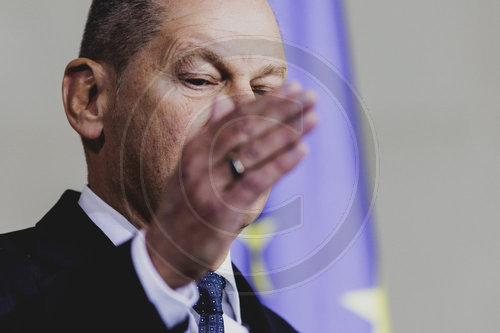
(210, 287)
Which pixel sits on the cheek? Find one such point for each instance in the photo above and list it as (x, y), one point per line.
(174, 116)
(162, 144)
(167, 129)
(198, 120)
(185, 115)
(163, 119)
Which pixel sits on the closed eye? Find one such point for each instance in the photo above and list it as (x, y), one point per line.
(261, 91)
(198, 82)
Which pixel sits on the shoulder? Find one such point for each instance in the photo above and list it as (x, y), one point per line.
(26, 261)
(16, 248)
(21, 237)
(19, 273)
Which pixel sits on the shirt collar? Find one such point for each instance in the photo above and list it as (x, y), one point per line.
(114, 225)
(119, 230)
(231, 292)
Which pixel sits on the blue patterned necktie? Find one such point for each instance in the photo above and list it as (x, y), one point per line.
(209, 306)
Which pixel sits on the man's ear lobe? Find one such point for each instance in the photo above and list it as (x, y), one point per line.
(87, 89)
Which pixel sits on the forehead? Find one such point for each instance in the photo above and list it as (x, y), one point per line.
(231, 27)
(224, 17)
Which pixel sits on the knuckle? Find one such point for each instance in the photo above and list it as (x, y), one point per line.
(240, 137)
(294, 106)
(245, 127)
(238, 131)
(250, 153)
(289, 135)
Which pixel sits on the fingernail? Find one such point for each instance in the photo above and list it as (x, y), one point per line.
(308, 97)
(302, 148)
(292, 87)
(310, 119)
(298, 151)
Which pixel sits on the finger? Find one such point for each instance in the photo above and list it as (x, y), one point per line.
(223, 106)
(263, 148)
(240, 129)
(273, 141)
(287, 91)
(269, 105)
(263, 105)
(244, 192)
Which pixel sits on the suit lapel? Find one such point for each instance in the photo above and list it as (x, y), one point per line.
(252, 310)
(66, 236)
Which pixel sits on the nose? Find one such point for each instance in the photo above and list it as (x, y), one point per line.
(241, 92)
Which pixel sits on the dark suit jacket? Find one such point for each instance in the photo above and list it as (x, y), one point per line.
(65, 275)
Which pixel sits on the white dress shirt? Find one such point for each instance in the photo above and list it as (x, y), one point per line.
(173, 305)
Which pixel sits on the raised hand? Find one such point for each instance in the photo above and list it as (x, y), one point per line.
(223, 180)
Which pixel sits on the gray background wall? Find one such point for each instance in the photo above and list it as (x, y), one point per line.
(41, 156)
(429, 74)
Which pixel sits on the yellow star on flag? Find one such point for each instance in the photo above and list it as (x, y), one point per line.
(371, 305)
(256, 237)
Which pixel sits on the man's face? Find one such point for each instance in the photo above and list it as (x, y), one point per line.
(205, 49)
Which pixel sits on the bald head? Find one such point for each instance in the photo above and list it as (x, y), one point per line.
(117, 29)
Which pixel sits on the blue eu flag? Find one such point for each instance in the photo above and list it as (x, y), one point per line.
(311, 254)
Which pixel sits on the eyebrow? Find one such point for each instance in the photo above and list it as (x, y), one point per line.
(277, 70)
(201, 52)
(218, 60)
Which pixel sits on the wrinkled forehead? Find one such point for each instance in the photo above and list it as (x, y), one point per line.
(233, 27)
(241, 17)
(249, 47)
(253, 56)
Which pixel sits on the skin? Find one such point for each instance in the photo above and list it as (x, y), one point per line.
(156, 147)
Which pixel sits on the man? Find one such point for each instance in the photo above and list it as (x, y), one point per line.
(181, 155)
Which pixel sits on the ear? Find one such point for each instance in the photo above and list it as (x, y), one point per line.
(88, 93)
